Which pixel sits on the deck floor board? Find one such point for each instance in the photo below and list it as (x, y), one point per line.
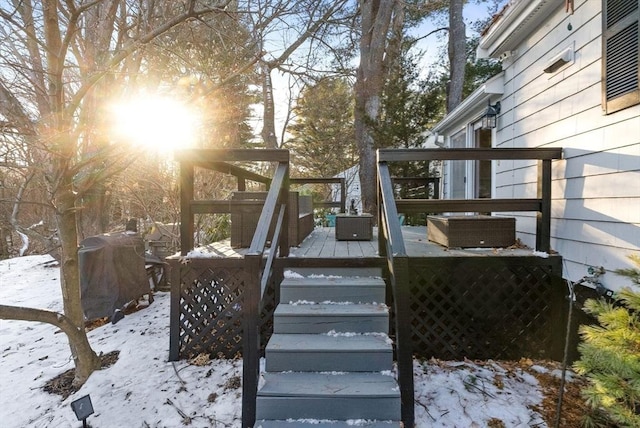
(322, 243)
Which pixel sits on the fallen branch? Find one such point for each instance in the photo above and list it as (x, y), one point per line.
(184, 384)
(186, 419)
(424, 406)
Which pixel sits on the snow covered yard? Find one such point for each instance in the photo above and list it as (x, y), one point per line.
(143, 389)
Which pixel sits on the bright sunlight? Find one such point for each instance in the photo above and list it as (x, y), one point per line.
(154, 122)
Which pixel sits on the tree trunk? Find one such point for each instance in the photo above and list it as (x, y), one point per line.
(268, 123)
(85, 359)
(457, 54)
(376, 18)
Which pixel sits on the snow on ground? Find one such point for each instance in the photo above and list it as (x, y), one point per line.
(143, 389)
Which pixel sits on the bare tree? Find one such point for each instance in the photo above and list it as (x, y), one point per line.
(298, 23)
(58, 58)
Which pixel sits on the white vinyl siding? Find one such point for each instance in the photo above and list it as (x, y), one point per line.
(596, 186)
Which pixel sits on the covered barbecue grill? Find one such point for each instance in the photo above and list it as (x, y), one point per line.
(112, 273)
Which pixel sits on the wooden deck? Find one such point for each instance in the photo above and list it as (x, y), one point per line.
(322, 243)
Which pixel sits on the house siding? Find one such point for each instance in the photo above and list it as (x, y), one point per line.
(596, 186)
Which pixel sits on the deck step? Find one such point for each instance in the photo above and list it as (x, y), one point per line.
(323, 318)
(345, 271)
(336, 289)
(321, 352)
(370, 396)
(326, 424)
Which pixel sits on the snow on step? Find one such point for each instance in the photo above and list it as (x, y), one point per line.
(342, 396)
(319, 289)
(322, 318)
(321, 352)
(326, 424)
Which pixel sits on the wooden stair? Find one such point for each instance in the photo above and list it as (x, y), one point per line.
(329, 359)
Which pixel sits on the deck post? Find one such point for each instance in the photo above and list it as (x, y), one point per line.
(186, 213)
(543, 217)
(251, 339)
(404, 346)
(174, 315)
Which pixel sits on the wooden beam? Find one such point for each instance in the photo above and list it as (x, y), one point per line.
(406, 155)
(232, 155)
(225, 206)
(316, 180)
(234, 170)
(467, 205)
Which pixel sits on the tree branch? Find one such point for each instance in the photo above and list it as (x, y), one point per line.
(56, 319)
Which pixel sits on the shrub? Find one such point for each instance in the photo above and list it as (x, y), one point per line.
(610, 355)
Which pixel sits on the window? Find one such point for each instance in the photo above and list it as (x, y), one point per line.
(459, 168)
(620, 54)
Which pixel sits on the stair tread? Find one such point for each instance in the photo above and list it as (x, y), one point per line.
(326, 424)
(357, 309)
(283, 342)
(333, 281)
(341, 385)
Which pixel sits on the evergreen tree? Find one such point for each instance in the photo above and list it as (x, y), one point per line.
(610, 355)
(322, 142)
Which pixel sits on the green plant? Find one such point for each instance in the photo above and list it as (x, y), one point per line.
(610, 355)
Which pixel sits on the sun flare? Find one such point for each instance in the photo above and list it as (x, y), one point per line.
(158, 123)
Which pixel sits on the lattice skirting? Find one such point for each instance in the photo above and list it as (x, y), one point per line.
(480, 308)
(207, 309)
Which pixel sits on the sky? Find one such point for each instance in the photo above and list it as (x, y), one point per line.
(143, 389)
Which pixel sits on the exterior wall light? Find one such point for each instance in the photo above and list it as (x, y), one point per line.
(490, 118)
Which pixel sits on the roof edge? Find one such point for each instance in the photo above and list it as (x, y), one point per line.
(515, 22)
(493, 86)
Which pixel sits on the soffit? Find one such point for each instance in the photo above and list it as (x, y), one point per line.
(516, 22)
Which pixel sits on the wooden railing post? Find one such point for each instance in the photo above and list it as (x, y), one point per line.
(343, 196)
(186, 214)
(251, 340)
(404, 348)
(175, 269)
(543, 217)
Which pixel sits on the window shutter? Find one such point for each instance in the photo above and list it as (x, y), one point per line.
(621, 54)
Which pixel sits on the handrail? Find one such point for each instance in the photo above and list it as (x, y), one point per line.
(258, 278)
(256, 271)
(410, 155)
(391, 245)
(259, 240)
(541, 204)
(217, 160)
(276, 238)
(392, 228)
(468, 205)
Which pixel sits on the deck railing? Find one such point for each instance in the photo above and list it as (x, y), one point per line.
(391, 244)
(275, 205)
(256, 267)
(340, 204)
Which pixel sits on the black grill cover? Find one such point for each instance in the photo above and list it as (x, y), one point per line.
(112, 272)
